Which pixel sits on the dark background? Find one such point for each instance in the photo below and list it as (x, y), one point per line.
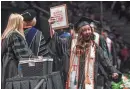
(117, 18)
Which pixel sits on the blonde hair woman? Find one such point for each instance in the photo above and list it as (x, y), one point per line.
(15, 47)
(15, 23)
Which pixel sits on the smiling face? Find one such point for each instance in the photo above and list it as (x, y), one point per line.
(86, 32)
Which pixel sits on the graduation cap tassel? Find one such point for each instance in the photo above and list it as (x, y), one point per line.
(80, 86)
(75, 82)
(87, 80)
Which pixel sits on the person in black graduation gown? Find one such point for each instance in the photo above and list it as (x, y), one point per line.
(36, 40)
(111, 48)
(14, 48)
(34, 37)
(60, 50)
(99, 40)
(77, 77)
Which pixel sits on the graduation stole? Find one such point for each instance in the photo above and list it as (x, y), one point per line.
(30, 35)
(89, 68)
(109, 44)
(97, 36)
(74, 64)
(73, 74)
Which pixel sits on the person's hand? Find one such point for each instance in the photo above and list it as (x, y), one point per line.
(52, 20)
(72, 32)
(115, 75)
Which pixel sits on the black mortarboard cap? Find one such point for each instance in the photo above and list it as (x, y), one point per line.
(106, 29)
(96, 24)
(29, 14)
(82, 22)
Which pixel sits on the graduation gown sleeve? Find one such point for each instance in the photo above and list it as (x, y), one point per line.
(20, 47)
(43, 48)
(60, 49)
(113, 52)
(60, 44)
(105, 62)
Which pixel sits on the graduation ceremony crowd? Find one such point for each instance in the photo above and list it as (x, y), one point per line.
(86, 55)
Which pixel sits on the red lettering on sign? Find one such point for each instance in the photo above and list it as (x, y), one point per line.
(58, 15)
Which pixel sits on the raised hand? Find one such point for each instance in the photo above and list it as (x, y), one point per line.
(52, 20)
(115, 75)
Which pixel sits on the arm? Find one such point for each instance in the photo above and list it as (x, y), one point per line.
(114, 58)
(51, 21)
(105, 62)
(60, 44)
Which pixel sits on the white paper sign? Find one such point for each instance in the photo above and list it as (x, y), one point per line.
(60, 13)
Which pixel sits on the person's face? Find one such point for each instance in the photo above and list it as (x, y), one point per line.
(30, 23)
(105, 34)
(24, 23)
(21, 23)
(86, 29)
(86, 32)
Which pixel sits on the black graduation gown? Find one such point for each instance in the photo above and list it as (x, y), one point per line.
(38, 45)
(114, 55)
(60, 51)
(111, 55)
(102, 64)
(36, 42)
(104, 68)
(15, 50)
(103, 45)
